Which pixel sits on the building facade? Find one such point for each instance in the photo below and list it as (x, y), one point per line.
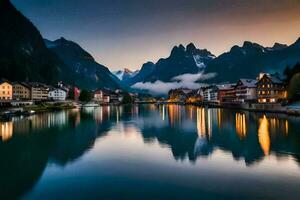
(226, 93)
(270, 89)
(21, 91)
(6, 90)
(98, 96)
(39, 91)
(245, 90)
(210, 94)
(57, 94)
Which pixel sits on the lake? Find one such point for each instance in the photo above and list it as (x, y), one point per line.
(150, 152)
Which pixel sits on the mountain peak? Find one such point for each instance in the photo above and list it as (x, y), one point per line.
(248, 44)
(178, 50)
(126, 70)
(191, 46)
(278, 46)
(297, 42)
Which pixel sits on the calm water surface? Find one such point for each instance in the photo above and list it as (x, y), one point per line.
(150, 152)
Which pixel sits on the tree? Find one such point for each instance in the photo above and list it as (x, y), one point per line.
(290, 72)
(71, 94)
(127, 99)
(294, 87)
(85, 96)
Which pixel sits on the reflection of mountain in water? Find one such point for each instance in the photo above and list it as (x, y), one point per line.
(28, 144)
(192, 132)
(41, 139)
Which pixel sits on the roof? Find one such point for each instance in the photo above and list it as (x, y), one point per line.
(273, 78)
(36, 84)
(22, 83)
(227, 86)
(55, 88)
(4, 81)
(250, 83)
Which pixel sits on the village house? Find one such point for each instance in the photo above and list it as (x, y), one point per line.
(39, 91)
(226, 93)
(270, 89)
(76, 91)
(210, 94)
(178, 95)
(98, 96)
(21, 91)
(6, 90)
(245, 90)
(194, 97)
(57, 94)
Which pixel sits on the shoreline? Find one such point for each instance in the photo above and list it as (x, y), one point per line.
(283, 109)
(26, 110)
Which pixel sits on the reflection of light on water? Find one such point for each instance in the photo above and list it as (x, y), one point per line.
(278, 126)
(219, 118)
(6, 130)
(201, 122)
(98, 115)
(117, 115)
(163, 112)
(174, 114)
(264, 135)
(240, 124)
(286, 127)
(209, 122)
(190, 110)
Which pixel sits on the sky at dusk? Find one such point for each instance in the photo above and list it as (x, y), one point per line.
(128, 33)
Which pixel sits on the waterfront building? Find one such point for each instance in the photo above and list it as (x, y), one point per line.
(270, 89)
(226, 93)
(98, 96)
(194, 97)
(210, 94)
(177, 95)
(39, 91)
(21, 91)
(57, 94)
(76, 91)
(6, 90)
(245, 90)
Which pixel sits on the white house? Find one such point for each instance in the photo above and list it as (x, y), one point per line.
(98, 96)
(245, 90)
(57, 94)
(210, 94)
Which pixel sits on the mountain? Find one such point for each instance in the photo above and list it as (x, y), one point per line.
(244, 61)
(125, 74)
(182, 60)
(142, 74)
(23, 54)
(251, 58)
(85, 71)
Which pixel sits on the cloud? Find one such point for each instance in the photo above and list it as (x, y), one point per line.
(181, 81)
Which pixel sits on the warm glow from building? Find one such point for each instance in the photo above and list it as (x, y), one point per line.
(6, 130)
(264, 135)
(174, 114)
(201, 122)
(240, 124)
